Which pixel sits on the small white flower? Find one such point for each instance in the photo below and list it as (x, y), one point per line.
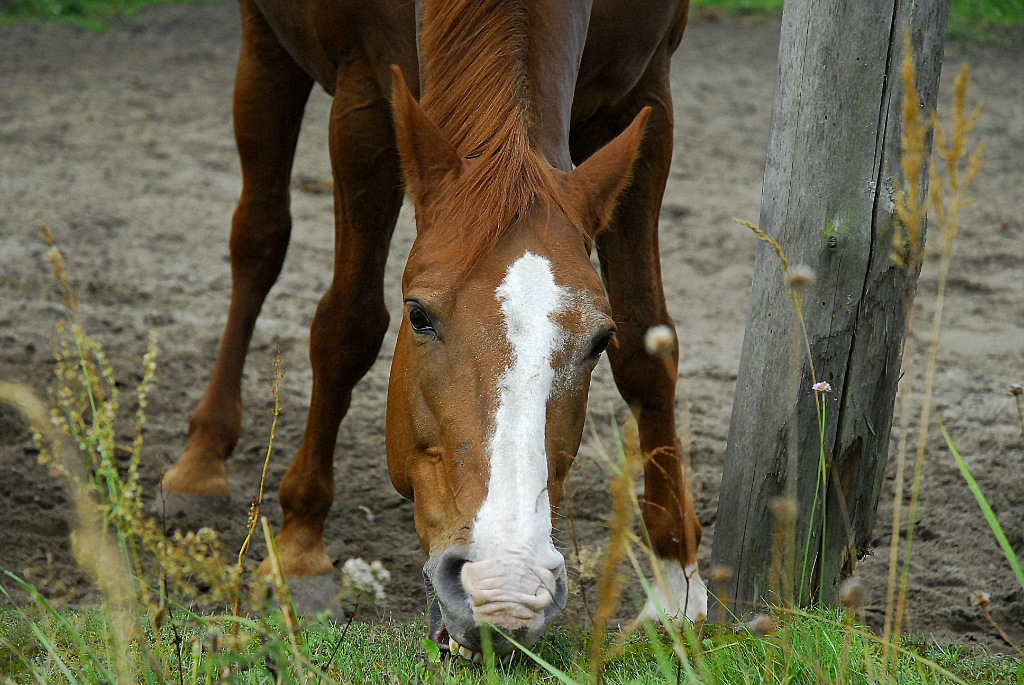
(821, 386)
(369, 578)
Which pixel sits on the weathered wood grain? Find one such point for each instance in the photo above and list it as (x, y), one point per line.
(833, 154)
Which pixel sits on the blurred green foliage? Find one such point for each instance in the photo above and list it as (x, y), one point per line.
(975, 20)
(980, 21)
(92, 15)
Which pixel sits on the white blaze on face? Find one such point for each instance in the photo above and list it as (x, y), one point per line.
(515, 518)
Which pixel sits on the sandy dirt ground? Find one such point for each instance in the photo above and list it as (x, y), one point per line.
(122, 144)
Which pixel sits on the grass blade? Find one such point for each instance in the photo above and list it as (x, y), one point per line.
(26, 661)
(990, 516)
(550, 668)
(52, 651)
(79, 640)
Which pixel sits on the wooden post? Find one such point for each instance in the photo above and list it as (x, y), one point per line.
(833, 156)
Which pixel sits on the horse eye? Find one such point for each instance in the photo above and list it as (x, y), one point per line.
(602, 344)
(419, 320)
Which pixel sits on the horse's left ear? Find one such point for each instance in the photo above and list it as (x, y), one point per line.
(593, 187)
(427, 156)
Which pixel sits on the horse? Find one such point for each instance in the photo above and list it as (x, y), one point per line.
(528, 133)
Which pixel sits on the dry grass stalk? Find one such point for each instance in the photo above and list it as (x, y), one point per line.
(908, 252)
(946, 199)
(781, 574)
(1017, 391)
(56, 260)
(910, 211)
(981, 600)
(76, 439)
(798, 278)
(609, 581)
(142, 574)
(284, 598)
(277, 374)
(720, 576)
(585, 558)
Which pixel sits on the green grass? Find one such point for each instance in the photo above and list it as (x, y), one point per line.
(979, 21)
(975, 20)
(815, 647)
(741, 7)
(984, 20)
(92, 15)
(992, 13)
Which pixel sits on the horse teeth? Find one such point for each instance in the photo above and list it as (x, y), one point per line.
(467, 654)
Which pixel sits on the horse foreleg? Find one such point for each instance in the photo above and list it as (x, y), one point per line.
(351, 319)
(630, 261)
(270, 95)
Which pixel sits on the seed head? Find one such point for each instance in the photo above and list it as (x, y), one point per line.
(784, 509)
(980, 598)
(720, 574)
(801, 276)
(762, 625)
(659, 340)
(853, 594)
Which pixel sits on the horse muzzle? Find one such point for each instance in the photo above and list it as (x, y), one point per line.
(513, 596)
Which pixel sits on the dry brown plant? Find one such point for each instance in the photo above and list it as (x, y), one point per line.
(946, 198)
(1016, 392)
(610, 582)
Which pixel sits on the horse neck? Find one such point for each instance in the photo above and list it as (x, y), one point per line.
(494, 72)
(558, 33)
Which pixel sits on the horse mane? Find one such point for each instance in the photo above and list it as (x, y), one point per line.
(473, 66)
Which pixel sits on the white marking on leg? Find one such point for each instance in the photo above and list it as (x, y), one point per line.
(683, 594)
(514, 520)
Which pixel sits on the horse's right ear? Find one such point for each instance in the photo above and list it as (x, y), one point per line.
(594, 186)
(427, 156)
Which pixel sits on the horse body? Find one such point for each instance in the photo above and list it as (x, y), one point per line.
(383, 33)
(505, 317)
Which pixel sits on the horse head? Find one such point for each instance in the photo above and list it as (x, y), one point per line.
(488, 389)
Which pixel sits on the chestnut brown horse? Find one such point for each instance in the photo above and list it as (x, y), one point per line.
(505, 317)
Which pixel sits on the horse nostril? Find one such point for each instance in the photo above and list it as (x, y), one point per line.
(449, 603)
(449, 566)
(561, 593)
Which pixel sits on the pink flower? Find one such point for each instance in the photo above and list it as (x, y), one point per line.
(821, 386)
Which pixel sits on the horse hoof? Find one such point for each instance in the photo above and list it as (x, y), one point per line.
(208, 508)
(312, 594)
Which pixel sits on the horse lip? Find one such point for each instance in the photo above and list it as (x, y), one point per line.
(449, 606)
(443, 639)
(436, 628)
